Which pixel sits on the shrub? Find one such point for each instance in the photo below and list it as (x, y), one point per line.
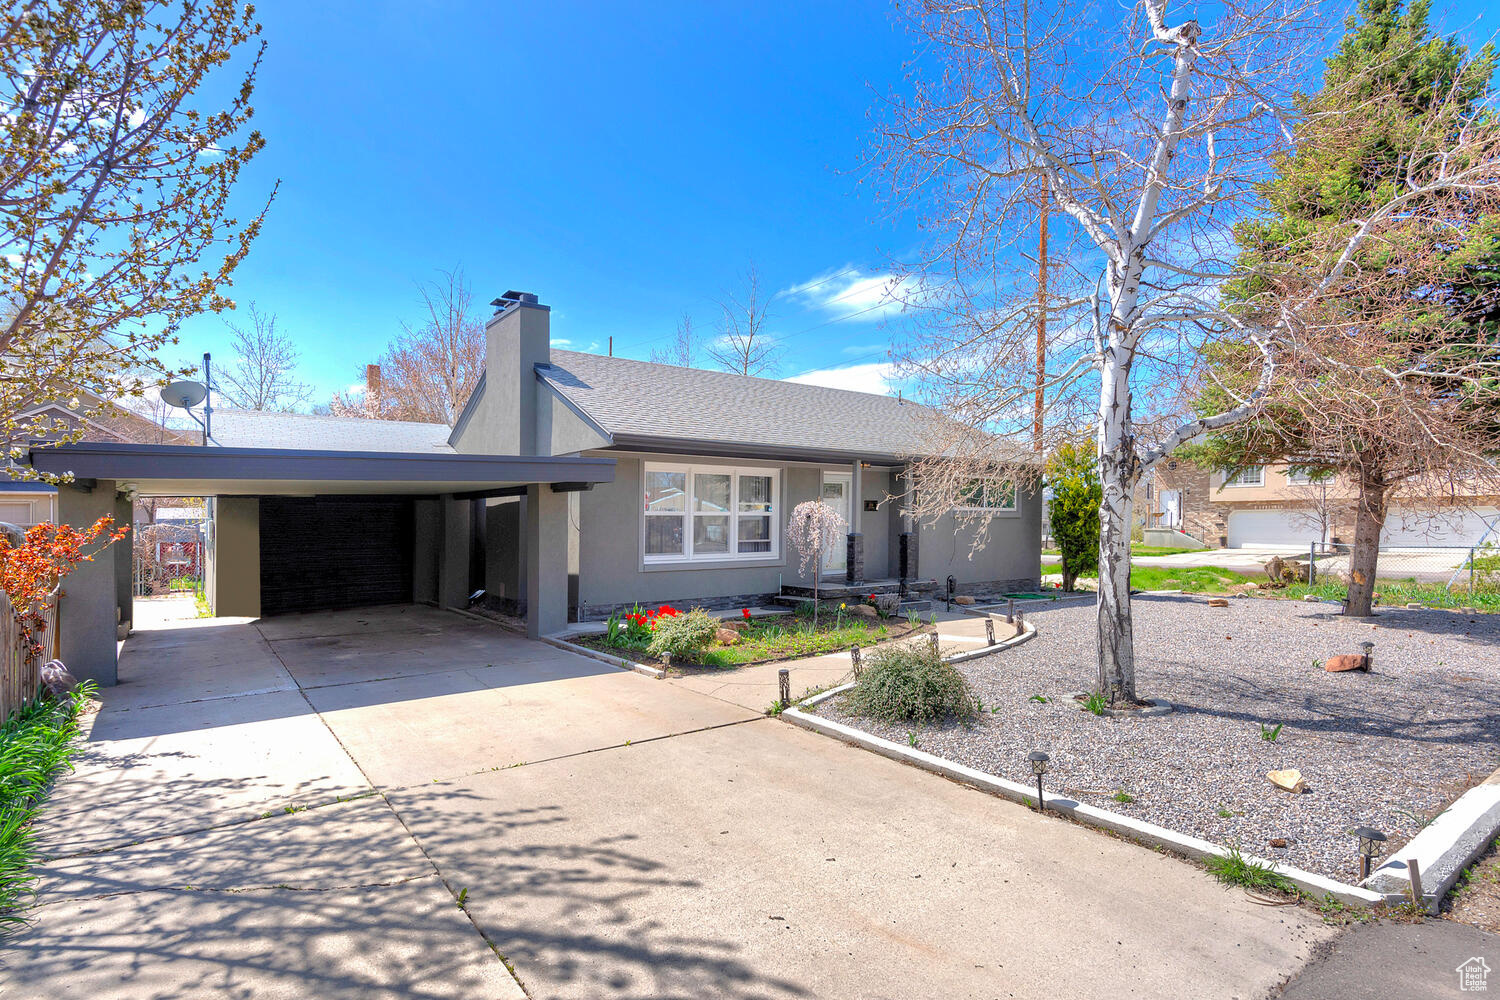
(683, 636)
(1073, 511)
(911, 683)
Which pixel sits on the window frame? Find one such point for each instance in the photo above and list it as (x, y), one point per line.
(987, 483)
(1237, 480)
(689, 515)
(1298, 477)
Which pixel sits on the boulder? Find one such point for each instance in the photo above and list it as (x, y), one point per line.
(1311, 598)
(55, 677)
(1346, 661)
(727, 636)
(887, 603)
(864, 611)
(1289, 780)
(964, 599)
(1252, 585)
(1217, 602)
(1273, 569)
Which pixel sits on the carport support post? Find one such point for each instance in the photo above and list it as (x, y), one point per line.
(125, 563)
(455, 545)
(546, 560)
(90, 601)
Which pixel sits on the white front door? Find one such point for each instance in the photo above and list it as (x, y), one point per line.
(1171, 509)
(836, 489)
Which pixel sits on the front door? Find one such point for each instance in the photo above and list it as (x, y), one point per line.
(836, 489)
(1171, 509)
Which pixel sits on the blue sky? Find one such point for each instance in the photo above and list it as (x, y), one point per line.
(625, 163)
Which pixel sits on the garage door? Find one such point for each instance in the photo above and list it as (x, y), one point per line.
(1270, 528)
(319, 553)
(1416, 528)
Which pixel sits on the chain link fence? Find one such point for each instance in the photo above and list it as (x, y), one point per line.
(1436, 575)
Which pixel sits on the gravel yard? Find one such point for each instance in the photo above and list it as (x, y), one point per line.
(1390, 748)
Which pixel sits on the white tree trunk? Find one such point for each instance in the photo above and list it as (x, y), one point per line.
(1119, 469)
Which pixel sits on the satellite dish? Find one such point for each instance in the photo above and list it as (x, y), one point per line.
(184, 394)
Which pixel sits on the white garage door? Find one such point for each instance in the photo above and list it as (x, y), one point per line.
(1270, 528)
(1416, 528)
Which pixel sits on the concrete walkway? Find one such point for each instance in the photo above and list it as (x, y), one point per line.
(291, 808)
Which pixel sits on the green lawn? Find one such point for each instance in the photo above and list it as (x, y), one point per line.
(1137, 550)
(1194, 579)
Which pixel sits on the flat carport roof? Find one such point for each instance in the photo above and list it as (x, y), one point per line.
(189, 470)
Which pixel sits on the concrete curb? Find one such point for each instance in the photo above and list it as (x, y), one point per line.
(622, 662)
(1445, 847)
(1028, 632)
(1146, 833)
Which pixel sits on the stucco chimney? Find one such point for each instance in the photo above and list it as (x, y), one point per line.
(372, 379)
(517, 339)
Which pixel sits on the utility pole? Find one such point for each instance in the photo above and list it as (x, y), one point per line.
(1041, 325)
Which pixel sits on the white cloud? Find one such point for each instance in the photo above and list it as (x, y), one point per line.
(563, 342)
(850, 291)
(878, 377)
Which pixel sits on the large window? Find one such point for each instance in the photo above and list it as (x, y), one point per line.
(1251, 475)
(990, 496)
(708, 513)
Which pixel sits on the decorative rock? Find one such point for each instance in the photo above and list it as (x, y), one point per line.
(58, 681)
(1468, 611)
(964, 599)
(727, 636)
(864, 611)
(1252, 585)
(1311, 598)
(1415, 606)
(1289, 780)
(1217, 602)
(1346, 661)
(1278, 841)
(887, 603)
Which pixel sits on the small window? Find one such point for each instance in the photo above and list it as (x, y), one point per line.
(1251, 475)
(989, 495)
(1298, 477)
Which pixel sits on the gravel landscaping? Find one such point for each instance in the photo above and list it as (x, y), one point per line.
(1389, 748)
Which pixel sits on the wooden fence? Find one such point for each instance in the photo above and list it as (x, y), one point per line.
(20, 671)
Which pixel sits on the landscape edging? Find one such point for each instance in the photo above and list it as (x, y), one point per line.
(1444, 848)
(1137, 830)
(624, 663)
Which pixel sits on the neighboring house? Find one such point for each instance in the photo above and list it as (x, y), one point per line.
(1282, 506)
(27, 503)
(707, 466)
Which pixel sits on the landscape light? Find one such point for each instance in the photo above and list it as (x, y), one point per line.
(1038, 768)
(1369, 845)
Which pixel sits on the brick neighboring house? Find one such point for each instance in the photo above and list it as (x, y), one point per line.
(1276, 506)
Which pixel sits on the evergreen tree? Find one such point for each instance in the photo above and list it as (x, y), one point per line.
(1417, 345)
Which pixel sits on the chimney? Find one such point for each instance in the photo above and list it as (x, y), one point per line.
(517, 339)
(372, 380)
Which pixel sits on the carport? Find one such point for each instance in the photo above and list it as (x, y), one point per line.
(299, 529)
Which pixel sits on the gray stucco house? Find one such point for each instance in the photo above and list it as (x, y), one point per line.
(707, 466)
(572, 484)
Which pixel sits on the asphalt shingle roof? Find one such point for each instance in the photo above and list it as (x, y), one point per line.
(643, 398)
(305, 431)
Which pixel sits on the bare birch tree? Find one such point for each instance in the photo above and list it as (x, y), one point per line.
(1149, 135)
(115, 184)
(683, 347)
(263, 375)
(742, 345)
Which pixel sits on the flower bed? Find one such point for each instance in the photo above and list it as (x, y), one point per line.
(757, 638)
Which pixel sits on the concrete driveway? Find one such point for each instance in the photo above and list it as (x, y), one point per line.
(290, 809)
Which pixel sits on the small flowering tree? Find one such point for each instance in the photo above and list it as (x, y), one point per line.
(813, 530)
(32, 565)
